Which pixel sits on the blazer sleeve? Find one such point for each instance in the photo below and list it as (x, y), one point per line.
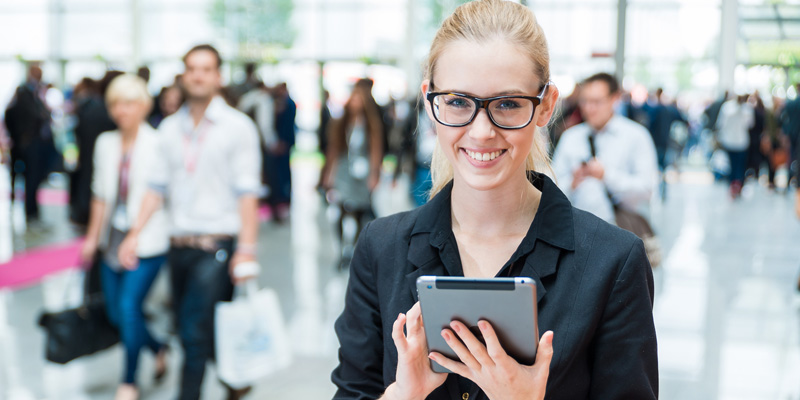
(625, 359)
(360, 371)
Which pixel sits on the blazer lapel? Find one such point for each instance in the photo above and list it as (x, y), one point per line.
(540, 264)
(425, 261)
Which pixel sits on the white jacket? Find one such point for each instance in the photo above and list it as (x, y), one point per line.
(154, 238)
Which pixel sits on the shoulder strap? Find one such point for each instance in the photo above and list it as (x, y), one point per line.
(593, 152)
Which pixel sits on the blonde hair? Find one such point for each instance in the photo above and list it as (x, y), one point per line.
(481, 21)
(128, 87)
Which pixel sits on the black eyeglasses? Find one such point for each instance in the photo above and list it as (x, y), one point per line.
(506, 112)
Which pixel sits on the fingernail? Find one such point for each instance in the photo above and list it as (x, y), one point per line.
(483, 325)
(455, 326)
(445, 335)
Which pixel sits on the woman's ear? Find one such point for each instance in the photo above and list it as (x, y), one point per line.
(548, 106)
(424, 88)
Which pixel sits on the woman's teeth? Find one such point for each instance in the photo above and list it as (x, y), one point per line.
(483, 156)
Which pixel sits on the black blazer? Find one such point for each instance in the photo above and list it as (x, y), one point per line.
(594, 288)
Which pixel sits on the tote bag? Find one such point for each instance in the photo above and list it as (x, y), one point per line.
(250, 337)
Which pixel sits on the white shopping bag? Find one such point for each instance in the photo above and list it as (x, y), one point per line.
(251, 339)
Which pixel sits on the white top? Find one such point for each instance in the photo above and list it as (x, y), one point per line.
(626, 151)
(734, 123)
(202, 171)
(154, 239)
(260, 102)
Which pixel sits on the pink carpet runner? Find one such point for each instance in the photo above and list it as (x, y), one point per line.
(30, 267)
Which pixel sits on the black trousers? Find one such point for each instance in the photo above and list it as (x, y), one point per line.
(31, 163)
(199, 280)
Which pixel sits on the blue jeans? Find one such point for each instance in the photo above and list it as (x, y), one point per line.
(124, 293)
(199, 280)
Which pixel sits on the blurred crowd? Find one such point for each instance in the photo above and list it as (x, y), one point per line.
(612, 149)
(740, 136)
(38, 108)
(176, 177)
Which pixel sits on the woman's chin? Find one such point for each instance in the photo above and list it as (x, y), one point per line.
(480, 182)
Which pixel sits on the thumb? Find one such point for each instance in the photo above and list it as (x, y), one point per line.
(545, 352)
(541, 368)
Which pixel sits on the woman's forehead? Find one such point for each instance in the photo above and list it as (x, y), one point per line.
(485, 68)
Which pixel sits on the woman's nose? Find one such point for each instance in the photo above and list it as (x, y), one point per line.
(482, 127)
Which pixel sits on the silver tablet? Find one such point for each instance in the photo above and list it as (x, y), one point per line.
(509, 304)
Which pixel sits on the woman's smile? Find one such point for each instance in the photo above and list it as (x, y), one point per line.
(483, 158)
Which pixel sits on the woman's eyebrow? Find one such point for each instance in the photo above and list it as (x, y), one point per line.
(509, 92)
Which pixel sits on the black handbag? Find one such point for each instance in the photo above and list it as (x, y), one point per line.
(78, 331)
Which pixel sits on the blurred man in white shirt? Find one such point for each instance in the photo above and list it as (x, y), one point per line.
(207, 172)
(608, 159)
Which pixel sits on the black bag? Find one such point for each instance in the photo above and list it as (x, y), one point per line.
(79, 331)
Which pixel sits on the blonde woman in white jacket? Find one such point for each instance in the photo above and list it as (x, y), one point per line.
(122, 159)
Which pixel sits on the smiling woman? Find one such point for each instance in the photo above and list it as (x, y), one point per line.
(494, 213)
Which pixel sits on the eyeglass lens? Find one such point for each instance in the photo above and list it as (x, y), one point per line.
(508, 112)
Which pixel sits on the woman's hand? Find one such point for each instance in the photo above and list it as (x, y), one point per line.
(415, 379)
(127, 252)
(491, 368)
(88, 251)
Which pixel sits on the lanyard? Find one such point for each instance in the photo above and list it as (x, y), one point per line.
(124, 175)
(192, 148)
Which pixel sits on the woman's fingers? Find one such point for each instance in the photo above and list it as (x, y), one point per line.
(131, 267)
(476, 348)
(397, 333)
(415, 321)
(494, 349)
(461, 350)
(454, 366)
(127, 252)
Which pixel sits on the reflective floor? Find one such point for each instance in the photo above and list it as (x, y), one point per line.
(726, 309)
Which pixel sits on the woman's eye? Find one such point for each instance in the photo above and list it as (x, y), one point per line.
(457, 102)
(507, 104)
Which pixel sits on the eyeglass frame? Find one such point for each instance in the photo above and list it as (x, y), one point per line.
(484, 103)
